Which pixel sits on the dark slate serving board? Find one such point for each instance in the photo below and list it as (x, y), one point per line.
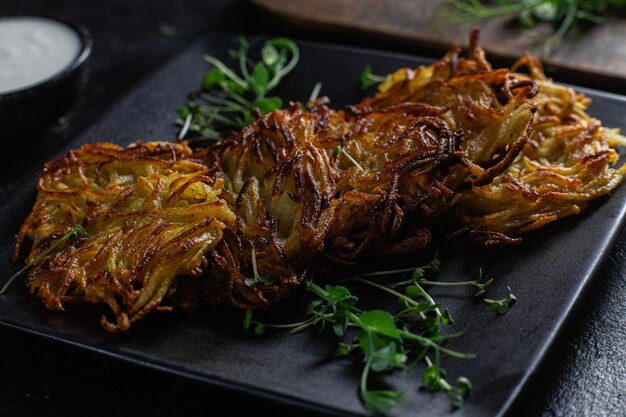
(548, 272)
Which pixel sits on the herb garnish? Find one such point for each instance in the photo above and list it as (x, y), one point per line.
(341, 150)
(74, 233)
(229, 95)
(386, 341)
(369, 79)
(256, 277)
(563, 13)
(502, 306)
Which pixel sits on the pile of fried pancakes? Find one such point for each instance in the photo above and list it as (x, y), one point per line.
(457, 146)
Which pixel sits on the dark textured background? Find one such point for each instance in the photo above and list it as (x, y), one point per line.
(584, 374)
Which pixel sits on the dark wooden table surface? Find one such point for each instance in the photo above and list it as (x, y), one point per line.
(590, 52)
(583, 375)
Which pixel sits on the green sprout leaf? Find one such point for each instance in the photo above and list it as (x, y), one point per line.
(502, 306)
(368, 79)
(229, 94)
(259, 329)
(257, 278)
(268, 104)
(212, 79)
(379, 321)
(246, 319)
(384, 340)
(381, 401)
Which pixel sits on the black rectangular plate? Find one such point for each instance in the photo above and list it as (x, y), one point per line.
(547, 272)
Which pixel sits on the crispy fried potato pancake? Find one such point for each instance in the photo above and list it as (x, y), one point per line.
(151, 214)
(426, 135)
(281, 186)
(366, 178)
(568, 162)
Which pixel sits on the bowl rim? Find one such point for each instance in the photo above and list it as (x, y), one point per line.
(82, 57)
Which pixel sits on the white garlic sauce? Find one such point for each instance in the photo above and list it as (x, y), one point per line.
(33, 50)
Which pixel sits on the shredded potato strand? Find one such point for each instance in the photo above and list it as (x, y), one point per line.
(151, 215)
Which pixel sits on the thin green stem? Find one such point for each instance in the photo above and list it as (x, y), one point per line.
(569, 19)
(185, 128)
(383, 288)
(286, 326)
(295, 57)
(389, 272)
(226, 71)
(426, 342)
(315, 92)
(74, 232)
(428, 298)
(351, 159)
(227, 103)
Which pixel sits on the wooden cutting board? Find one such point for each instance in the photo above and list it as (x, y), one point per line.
(591, 55)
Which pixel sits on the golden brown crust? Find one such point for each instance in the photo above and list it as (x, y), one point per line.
(567, 162)
(151, 214)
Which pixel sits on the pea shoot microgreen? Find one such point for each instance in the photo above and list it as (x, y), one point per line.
(256, 277)
(75, 232)
(387, 341)
(229, 95)
(502, 306)
(369, 79)
(316, 92)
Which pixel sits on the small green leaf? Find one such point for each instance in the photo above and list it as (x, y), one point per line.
(456, 398)
(344, 349)
(546, 11)
(381, 401)
(268, 104)
(270, 55)
(234, 88)
(340, 326)
(464, 386)
(512, 298)
(259, 329)
(313, 306)
(261, 77)
(251, 282)
(369, 79)
(245, 120)
(526, 19)
(417, 274)
(460, 392)
(502, 306)
(338, 292)
(445, 317)
(387, 358)
(413, 292)
(422, 307)
(246, 319)
(183, 112)
(429, 326)
(482, 287)
(380, 321)
(213, 78)
(431, 376)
